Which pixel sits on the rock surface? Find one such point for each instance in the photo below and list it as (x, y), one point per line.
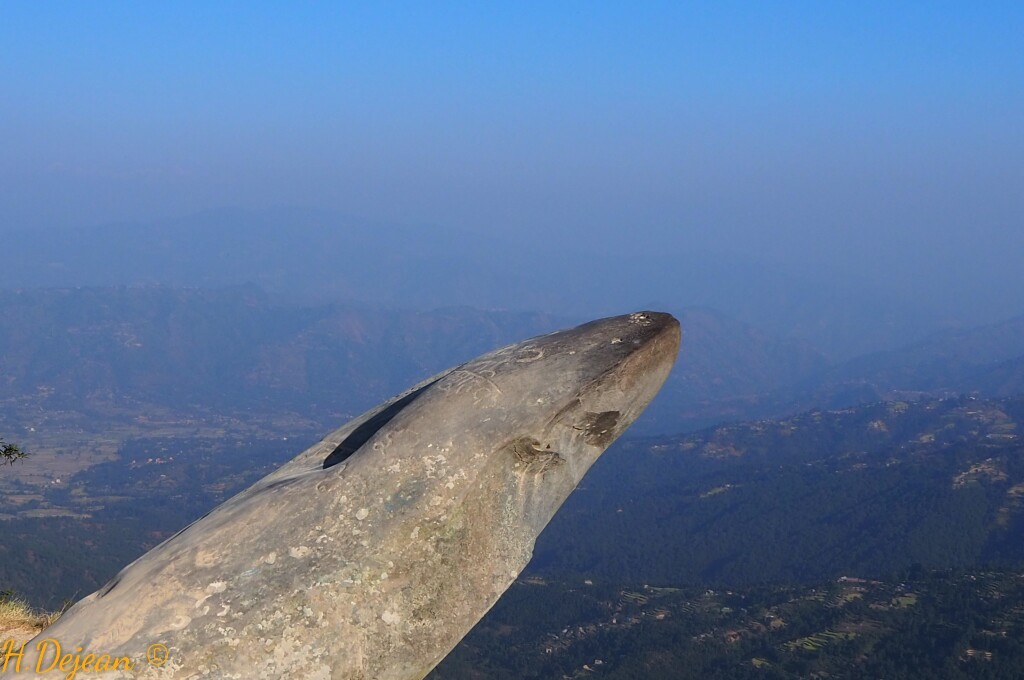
(371, 554)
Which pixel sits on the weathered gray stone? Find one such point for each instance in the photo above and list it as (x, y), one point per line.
(371, 554)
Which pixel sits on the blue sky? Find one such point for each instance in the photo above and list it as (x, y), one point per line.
(884, 137)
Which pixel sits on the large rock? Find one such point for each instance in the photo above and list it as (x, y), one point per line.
(371, 554)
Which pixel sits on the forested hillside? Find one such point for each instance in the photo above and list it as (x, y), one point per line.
(868, 490)
(963, 625)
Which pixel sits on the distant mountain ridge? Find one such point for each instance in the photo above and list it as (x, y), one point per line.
(235, 349)
(308, 257)
(229, 348)
(988, 360)
(949, 360)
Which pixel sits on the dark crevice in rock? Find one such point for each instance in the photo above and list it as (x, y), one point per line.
(107, 588)
(362, 434)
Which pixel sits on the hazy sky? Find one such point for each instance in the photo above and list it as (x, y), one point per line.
(887, 136)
